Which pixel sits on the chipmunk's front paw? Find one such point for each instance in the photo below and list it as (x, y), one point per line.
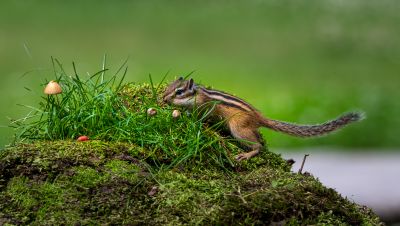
(247, 155)
(242, 156)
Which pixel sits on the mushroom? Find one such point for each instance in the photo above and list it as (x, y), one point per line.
(151, 112)
(176, 114)
(53, 88)
(83, 138)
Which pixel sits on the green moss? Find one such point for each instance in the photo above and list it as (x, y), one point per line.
(54, 208)
(37, 201)
(123, 169)
(185, 199)
(109, 183)
(20, 191)
(88, 177)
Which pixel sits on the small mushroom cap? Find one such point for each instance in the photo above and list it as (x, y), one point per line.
(52, 88)
(151, 112)
(83, 138)
(176, 114)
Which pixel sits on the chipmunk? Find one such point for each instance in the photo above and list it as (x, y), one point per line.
(241, 119)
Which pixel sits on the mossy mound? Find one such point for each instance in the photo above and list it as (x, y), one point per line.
(95, 182)
(156, 170)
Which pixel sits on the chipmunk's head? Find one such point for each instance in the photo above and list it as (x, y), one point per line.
(180, 92)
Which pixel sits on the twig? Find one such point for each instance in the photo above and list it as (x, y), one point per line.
(240, 196)
(302, 164)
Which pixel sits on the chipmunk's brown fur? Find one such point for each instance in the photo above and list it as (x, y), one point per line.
(243, 120)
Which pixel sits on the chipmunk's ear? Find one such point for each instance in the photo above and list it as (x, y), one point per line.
(180, 78)
(191, 83)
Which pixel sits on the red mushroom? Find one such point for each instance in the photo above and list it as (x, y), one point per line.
(82, 138)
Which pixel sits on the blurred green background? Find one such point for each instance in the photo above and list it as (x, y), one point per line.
(303, 61)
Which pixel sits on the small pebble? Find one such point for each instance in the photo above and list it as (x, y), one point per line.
(153, 191)
(151, 112)
(83, 138)
(176, 114)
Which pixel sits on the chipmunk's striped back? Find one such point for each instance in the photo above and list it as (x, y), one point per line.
(227, 99)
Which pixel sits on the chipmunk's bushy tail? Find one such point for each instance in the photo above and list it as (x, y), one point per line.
(313, 130)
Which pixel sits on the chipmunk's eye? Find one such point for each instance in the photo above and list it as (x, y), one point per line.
(178, 92)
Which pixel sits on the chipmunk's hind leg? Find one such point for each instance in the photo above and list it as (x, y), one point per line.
(251, 138)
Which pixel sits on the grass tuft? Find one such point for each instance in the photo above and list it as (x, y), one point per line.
(105, 108)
